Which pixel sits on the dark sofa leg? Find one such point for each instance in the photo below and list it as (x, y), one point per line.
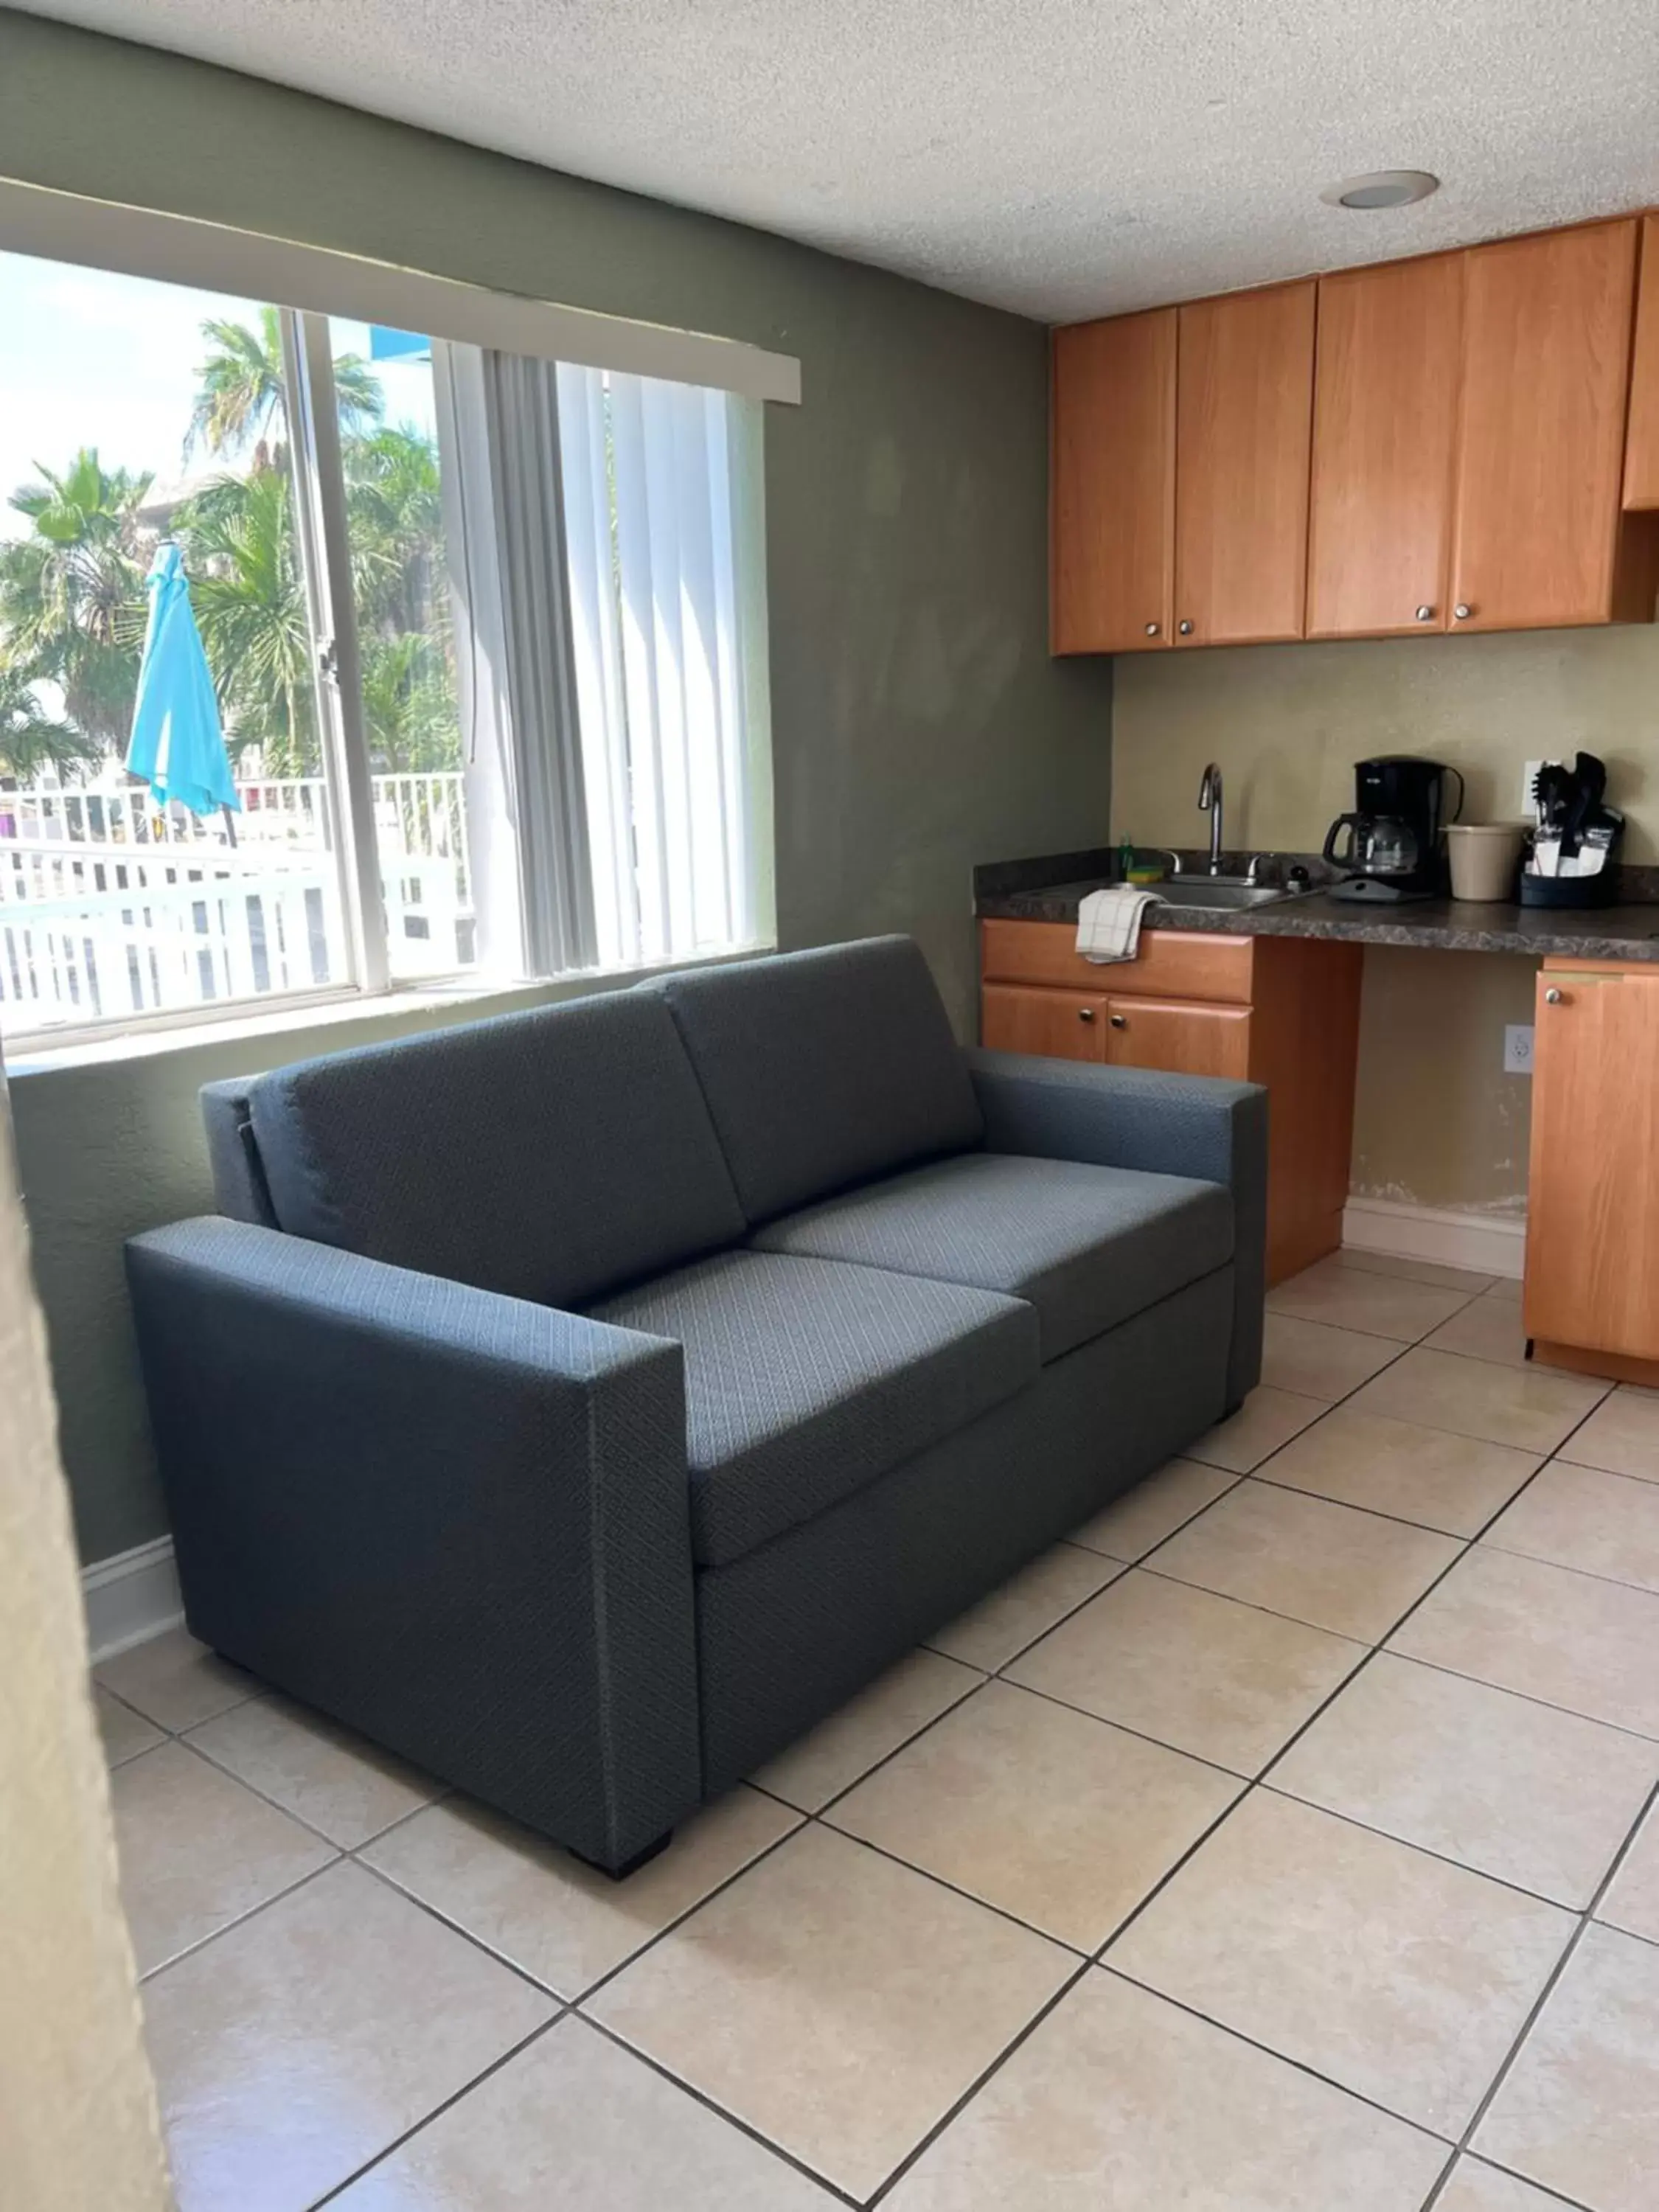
(630, 1866)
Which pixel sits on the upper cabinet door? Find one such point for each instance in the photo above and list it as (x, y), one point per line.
(1385, 430)
(1243, 415)
(1545, 367)
(1642, 446)
(1112, 519)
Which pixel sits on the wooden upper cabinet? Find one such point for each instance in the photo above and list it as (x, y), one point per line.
(1641, 442)
(1112, 512)
(1541, 434)
(1244, 416)
(1384, 440)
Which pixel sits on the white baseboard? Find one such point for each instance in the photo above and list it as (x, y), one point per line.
(1489, 1244)
(130, 1598)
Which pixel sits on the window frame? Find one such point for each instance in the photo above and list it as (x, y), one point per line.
(308, 284)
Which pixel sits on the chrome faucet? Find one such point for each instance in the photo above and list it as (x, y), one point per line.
(1209, 799)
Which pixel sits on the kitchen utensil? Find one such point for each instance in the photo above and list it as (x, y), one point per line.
(1589, 780)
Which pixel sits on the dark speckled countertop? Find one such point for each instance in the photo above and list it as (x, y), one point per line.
(1050, 890)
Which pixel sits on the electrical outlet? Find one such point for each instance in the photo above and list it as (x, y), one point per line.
(1517, 1048)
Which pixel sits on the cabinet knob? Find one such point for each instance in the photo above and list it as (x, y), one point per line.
(1185, 628)
(1119, 1021)
(1086, 1013)
(1552, 998)
(1152, 629)
(1426, 613)
(1462, 611)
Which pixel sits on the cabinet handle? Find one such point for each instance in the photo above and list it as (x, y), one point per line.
(1152, 629)
(1552, 998)
(1185, 628)
(1462, 611)
(1119, 1021)
(1086, 1013)
(1426, 613)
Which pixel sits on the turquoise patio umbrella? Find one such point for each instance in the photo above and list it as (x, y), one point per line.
(177, 742)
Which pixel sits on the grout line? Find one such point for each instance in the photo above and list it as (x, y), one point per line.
(466, 2089)
(1526, 1696)
(1586, 1919)
(971, 1897)
(242, 1918)
(455, 1928)
(1084, 1551)
(1568, 1566)
(1298, 2065)
(1140, 1736)
(1549, 2195)
(1376, 1512)
(277, 1805)
(720, 2112)
(916, 1736)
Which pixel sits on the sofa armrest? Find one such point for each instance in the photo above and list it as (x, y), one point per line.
(1135, 1117)
(455, 1521)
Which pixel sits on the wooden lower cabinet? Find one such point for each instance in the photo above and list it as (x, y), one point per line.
(1592, 1286)
(1280, 1011)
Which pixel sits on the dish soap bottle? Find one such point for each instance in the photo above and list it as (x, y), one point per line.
(1125, 858)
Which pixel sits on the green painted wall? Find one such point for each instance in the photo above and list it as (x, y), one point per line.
(919, 725)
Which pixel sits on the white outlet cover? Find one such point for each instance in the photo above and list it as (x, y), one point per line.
(1517, 1048)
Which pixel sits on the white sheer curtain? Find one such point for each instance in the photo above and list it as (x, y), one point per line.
(668, 640)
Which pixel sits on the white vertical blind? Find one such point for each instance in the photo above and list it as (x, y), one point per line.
(662, 653)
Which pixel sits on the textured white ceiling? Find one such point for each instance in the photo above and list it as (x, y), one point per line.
(1064, 158)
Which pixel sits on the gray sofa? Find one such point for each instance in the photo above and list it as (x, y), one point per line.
(583, 1403)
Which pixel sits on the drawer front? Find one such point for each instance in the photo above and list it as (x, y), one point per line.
(1171, 963)
(1057, 1025)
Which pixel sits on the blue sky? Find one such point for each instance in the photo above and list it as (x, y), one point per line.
(88, 358)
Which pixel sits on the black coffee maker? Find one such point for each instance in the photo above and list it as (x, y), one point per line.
(1393, 847)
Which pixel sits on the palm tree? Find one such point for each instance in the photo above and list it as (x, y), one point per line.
(237, 539)
(72, 592)
(240, 399)
(31, 738)
(408, 704)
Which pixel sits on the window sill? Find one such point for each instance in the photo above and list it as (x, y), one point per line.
(39, 1054)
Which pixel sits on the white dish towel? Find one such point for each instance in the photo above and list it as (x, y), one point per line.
(1108, 923)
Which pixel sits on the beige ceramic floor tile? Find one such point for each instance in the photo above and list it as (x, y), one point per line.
(198, 1850)
(1267, 1420)
(1024, 1608)
(1352, 1573)
(835, 2002)
(1224, 1681)
(1316, 1362)
(304, 2042)
(1119, 2100)
(1440, 1481)
(1506, 1286)
(330, 1779)
(1579, 2110)
(1485, 1329)
(1402, 1977)
(850, 1742)
(1414, 1271)
(564, 1924)
(1477, 2187)
(1570, 1639)
(1061, 1821)
(1379, 1305)
(1540, 1798)
(1579, 1517)
(1129, 1526)
(1621, 1435)
(125, 1733)
(575, 2125)
(1632, 1900)
(175, 1681)
(1531, 1408)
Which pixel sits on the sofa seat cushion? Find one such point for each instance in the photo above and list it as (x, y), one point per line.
(1087, 1246)
(805, 1379)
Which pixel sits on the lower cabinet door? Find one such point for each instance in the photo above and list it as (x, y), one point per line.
(1593, 1195)
(1059, 1024)
(1179, 1034)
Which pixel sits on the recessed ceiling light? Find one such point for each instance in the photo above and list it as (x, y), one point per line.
(1384, 188)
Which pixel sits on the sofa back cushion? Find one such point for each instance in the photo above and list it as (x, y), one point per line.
(552, 1156)
(822, 1069)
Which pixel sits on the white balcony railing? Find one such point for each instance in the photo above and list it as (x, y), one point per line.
(106, 911)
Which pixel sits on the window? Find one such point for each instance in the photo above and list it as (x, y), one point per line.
(486, 632)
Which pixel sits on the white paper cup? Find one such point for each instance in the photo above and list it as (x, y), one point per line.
(1484, 856)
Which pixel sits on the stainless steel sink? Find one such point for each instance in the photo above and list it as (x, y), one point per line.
(1222, 893)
